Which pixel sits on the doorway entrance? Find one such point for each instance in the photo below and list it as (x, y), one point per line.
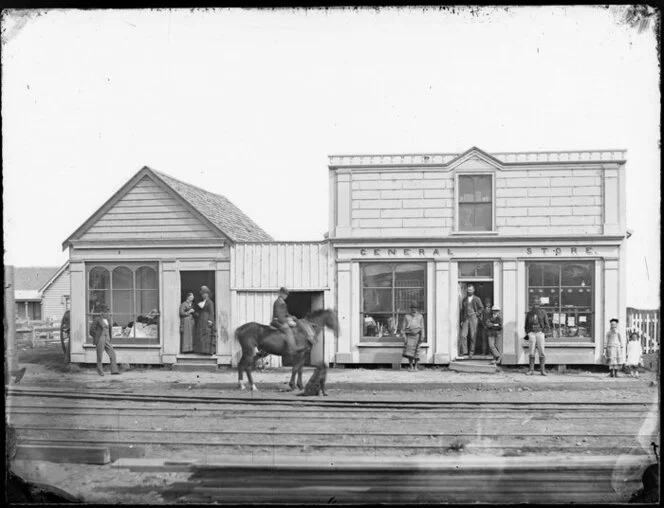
(191, 281)
(484, 291)
(301, 303)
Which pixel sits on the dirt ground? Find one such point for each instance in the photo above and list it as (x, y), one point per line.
(101, 484)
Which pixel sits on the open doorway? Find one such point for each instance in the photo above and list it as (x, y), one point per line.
(484, 291)
(301, 303)
(192, 281)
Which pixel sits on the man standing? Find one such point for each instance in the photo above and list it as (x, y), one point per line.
(282, 320)
(413, 333)
(101, 333)
(493, 327)
(471, 309)
(537, 324)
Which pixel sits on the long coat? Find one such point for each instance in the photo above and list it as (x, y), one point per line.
(205, 335)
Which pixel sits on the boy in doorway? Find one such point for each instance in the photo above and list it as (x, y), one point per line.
(483, 332)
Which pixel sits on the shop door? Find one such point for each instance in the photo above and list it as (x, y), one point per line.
(483, 290)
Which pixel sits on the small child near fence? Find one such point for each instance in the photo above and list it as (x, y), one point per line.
(634, 354)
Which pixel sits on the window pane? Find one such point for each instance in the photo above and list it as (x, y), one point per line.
(122, 325)
(407, 297)
(146, 278)
(476, 269)
(551, 274)
(377, 275)
(99, 278)
(535, 274)
(483, 189)
(123, 278)
(577, 297)
(147, 301)
(576, 275)
(466, 217)
(407, 275)
(379, 325)
(98, 297)
(377, 300)
(123, 302)
(466, 189)
(483, 213)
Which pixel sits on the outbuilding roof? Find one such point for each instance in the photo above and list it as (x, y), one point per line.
(32, 278)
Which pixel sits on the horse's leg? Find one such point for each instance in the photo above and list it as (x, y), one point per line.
(298, 364)
(291, 383)
(250, 377)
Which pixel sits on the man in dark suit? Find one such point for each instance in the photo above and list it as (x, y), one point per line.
(537, 324)
(100, 330)
(471, 310)
(282, 320)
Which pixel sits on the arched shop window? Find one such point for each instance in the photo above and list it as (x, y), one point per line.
(131, 292)
(388, 290)
(565, 290)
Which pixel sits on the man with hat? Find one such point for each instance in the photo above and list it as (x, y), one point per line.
(537, 324)
(494, 326)
(413, 333)
(282, 320)
(100, 330)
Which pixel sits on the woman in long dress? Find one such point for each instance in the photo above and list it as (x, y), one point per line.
(187, 324)
(205, 336)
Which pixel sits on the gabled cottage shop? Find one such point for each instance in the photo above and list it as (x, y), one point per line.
(402, 229)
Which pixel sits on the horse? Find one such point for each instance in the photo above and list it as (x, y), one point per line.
(270, 341)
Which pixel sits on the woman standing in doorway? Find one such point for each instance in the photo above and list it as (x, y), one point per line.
(187, 324)
(204, 338)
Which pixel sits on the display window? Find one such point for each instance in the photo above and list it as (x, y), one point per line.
(565, 292)
(388, 290)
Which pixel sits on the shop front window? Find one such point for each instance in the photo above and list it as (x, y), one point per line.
(131, 293)
(565, 290)
(388, 291)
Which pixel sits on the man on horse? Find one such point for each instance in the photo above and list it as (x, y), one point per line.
(282, 320)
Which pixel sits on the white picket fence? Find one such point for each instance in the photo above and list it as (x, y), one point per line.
(647, 321)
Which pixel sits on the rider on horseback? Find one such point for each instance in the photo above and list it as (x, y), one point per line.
(283, 321)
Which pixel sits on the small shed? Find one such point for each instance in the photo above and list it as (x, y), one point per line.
(27, 282)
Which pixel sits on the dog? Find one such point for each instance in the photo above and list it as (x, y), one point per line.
(316, 383)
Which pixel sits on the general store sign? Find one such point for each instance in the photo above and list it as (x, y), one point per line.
(479, 252)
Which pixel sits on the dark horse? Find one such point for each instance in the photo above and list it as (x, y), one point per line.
(270, 341)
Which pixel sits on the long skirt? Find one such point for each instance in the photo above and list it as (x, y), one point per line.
(614, 356)
(188, 325)
(412, 346)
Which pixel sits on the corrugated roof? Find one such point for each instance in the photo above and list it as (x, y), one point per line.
(218, 210)
(32, 277)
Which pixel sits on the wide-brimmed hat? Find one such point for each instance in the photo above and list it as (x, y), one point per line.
(205, 289)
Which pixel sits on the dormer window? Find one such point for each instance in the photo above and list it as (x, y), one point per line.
(475, 202)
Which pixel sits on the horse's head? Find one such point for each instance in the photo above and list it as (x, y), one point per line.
(325, 318)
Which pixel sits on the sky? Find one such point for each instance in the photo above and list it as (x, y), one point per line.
(249, 104)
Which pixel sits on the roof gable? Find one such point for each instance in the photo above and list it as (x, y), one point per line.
(156, 206)
(31, 278)
(55, 276)
(475, 159)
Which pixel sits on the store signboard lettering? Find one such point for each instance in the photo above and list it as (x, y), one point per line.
(440, 252)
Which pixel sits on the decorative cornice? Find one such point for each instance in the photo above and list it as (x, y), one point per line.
(443, 159)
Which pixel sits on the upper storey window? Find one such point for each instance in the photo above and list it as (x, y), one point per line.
(475, 201)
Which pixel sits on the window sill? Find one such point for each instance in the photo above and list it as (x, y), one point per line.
(474, 233)
(388, 344)
(564, 344)
(128, 346)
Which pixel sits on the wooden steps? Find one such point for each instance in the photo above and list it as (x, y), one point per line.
(480, 366)
(196, 363)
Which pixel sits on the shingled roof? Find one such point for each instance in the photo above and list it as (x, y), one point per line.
(32, 278)
(218, 210)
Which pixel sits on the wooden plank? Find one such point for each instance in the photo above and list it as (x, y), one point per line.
(133, 227)
(153, 220)
(149, 201)
(57, 453)
(151, 235)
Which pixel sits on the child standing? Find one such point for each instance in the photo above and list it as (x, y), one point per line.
(634, 353)
(613, 348)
